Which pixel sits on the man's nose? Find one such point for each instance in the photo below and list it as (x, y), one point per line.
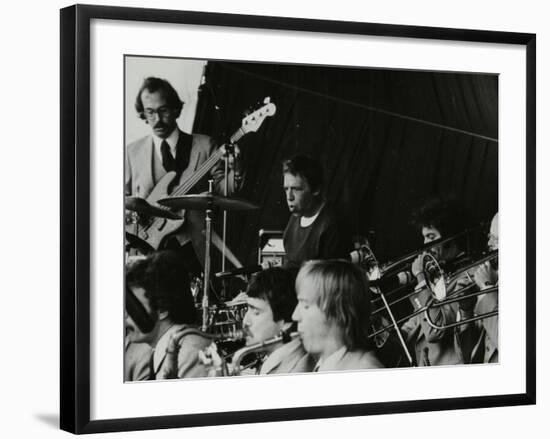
(295, 315)
(154, 118)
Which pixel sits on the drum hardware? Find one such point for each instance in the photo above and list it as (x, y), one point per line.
(140, 206)
(206, 202)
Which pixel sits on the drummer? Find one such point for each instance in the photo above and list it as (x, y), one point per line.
(314, 230)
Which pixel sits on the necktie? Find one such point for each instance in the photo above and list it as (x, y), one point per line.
(168, 160)
(152, 374)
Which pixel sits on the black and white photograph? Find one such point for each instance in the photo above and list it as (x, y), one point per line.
(286, 218)
(292, 219)
(275, 220)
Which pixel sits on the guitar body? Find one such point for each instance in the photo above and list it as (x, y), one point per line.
(154, 230)
(161, 227)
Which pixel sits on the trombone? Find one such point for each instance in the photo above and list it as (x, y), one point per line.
(401, 266)
(370, 264)
(432, 303)
(437, 282)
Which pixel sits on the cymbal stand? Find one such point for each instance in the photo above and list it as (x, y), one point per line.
(208, 240)
(229, 151)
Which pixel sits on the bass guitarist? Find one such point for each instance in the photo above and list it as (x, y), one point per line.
(168, 149)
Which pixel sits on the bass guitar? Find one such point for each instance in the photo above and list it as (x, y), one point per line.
(154, 229)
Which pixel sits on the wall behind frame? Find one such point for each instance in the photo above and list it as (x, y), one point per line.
(37, 416)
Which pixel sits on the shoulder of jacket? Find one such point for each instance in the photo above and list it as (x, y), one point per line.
(138, 143)
(194, 336)
(202, 139)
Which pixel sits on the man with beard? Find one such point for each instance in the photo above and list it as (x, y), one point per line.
(437, 219)
(168, 149)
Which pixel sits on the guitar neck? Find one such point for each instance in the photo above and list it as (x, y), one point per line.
(237, 135)
(206, 166)
(198, 174)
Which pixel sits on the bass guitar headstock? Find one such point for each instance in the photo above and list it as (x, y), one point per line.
(253, 121)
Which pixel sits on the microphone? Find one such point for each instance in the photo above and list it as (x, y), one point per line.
(251, 269)
(359, 255)
(392, 282)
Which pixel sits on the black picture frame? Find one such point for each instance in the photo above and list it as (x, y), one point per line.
(75, 217)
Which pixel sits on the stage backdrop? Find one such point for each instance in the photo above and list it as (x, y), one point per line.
(387, 140)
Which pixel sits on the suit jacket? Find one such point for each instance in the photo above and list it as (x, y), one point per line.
(189, 364)
(136, 361)
(485, 332)
(144, 170)
(351, 360)
(289, 358)
(141, 175)
(435, 347)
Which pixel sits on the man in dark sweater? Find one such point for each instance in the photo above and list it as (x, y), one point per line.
(313, 230)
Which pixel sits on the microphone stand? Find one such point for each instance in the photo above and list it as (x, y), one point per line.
(208, 223)
(394, 323)
(229, 151)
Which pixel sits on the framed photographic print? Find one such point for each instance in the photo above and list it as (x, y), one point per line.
(292, 219)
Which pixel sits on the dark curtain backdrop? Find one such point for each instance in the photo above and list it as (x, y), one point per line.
(387, 139)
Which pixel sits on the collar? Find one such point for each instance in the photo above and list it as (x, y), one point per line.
(172, 141)
(306, 221)
(332, 360)
(160, 349)
(278, 355)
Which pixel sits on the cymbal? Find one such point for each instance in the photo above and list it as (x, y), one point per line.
(139, 244)
(204, 201)
(139, 205)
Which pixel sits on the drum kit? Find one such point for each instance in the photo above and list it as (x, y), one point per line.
(224, 321)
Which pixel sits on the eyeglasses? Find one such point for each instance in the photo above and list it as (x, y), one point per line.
(162, 112)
